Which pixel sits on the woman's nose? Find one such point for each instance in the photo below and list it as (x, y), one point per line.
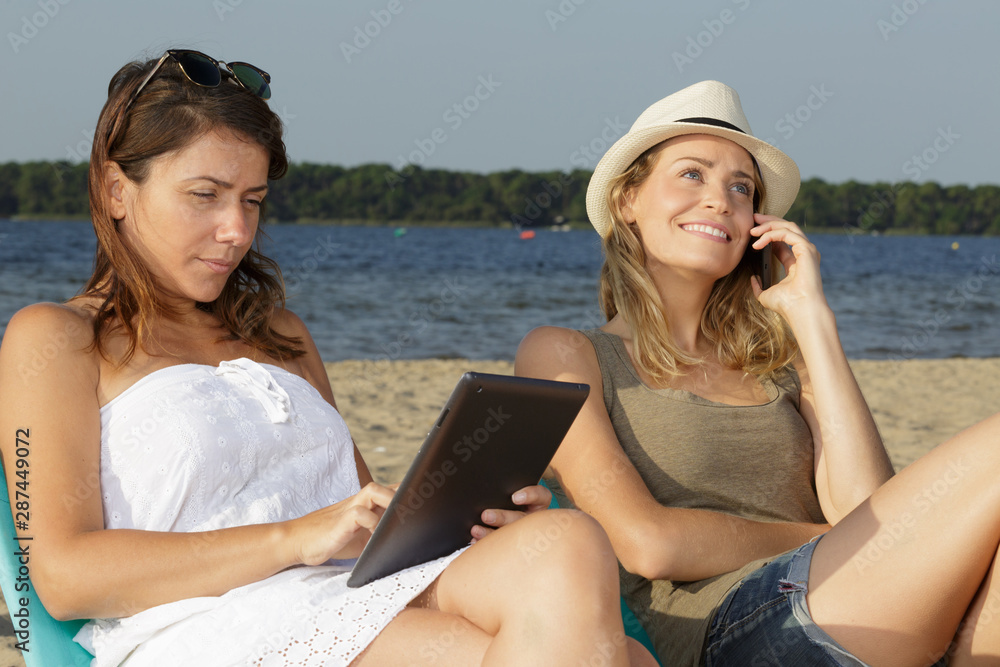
(236, 228)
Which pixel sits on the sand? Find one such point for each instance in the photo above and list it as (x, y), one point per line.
(917, 404)
(391, 406)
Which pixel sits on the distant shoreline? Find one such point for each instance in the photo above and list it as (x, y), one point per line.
(506, 224)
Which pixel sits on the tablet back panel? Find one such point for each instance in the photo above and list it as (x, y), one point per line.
(495, 435)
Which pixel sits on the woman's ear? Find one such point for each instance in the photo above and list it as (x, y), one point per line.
(628, 214)
(115, 185)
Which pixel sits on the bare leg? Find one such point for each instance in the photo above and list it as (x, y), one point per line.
(426, 637)
(894, 579)
(978, 639)
(542, 591)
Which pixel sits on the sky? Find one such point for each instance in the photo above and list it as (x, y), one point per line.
(870, 90)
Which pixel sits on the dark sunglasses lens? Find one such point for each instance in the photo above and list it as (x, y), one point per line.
(252, 79)
(199, 69)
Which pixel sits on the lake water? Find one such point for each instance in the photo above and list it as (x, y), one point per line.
(366, 293)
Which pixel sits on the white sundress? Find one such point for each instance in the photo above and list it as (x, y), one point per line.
(195, 448)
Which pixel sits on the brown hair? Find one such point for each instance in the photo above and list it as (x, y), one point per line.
(168, 115)
(746, 335)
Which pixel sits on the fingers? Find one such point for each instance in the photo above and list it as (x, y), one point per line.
(787, 239)
(771, 223)
(766, 222)
(533, 498)
(364, 518)
(375, 495)
(495, 519)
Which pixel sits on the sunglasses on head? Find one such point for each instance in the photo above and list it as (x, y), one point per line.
(203, 70)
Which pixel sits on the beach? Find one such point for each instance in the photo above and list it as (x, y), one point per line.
(390, 406)
(917, 403)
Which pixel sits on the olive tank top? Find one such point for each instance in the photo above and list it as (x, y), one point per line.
(755, 462)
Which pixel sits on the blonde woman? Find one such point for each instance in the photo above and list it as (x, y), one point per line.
(726, 448)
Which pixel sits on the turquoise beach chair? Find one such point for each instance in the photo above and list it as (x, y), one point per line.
(633, 628)
(46, 642)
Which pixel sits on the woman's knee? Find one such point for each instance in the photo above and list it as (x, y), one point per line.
(568, 539)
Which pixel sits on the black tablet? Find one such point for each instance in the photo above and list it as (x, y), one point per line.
(495, 435)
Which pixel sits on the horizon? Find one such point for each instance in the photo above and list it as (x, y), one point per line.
(887, 91)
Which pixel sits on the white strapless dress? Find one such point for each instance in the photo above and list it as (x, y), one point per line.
(194, 448)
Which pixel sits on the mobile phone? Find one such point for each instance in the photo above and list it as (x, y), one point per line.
(762, 265)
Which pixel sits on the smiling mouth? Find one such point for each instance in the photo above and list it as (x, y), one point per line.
(706, 229)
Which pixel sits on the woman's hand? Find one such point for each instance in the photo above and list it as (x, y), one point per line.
(802, 287)
(532, 498)
(340, 530)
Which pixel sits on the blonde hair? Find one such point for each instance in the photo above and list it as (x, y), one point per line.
(745, 335)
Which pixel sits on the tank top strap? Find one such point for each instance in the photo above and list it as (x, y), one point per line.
(613, 370)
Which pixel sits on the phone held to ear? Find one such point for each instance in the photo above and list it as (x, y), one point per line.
(762, 265)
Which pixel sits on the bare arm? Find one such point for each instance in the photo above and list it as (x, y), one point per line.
(654, 541)
(82, 570)
(851, 461)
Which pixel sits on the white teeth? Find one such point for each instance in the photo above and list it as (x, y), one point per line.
(714, 231)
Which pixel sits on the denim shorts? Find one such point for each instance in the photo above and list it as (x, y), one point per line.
(764, 621)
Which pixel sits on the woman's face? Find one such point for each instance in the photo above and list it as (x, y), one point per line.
(695, 210)
(196, 215)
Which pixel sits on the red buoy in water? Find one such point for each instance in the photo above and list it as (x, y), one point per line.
(528, 234)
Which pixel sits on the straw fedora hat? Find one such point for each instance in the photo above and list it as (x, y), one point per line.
(708, 107)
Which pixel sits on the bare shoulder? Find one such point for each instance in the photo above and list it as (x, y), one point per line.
(48, 336)
(288, 323)
(74, 320)
(310, 365)
(49, 371)
(556, 353)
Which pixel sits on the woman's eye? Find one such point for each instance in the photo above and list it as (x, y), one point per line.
(742, 188)
(692, 174)
(204, 195)
(252, 202)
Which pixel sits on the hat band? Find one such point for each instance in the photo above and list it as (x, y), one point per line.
(711, 121)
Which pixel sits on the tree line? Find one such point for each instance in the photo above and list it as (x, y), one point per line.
(412, 196)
